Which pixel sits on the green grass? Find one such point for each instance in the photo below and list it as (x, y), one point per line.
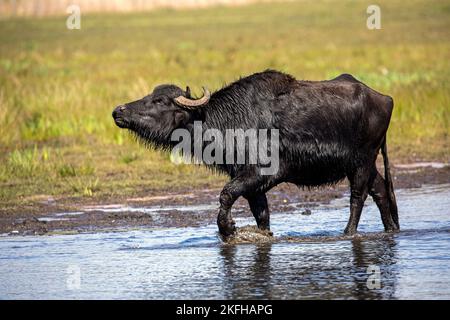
(58, 86)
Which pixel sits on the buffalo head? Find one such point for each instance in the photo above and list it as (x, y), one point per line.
(158, 114)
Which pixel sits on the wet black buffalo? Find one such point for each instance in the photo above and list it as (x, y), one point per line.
(328, 131)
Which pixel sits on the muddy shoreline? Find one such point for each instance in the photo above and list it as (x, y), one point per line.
(50, 216)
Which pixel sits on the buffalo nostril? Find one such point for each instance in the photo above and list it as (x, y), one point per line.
(118, 110)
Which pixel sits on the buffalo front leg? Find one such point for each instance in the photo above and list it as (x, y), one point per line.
(359, 188)
(230, 193)
(260, 210)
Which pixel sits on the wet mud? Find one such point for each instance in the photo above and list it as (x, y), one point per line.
(191, 209)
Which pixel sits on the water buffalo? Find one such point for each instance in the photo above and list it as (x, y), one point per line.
(328, 130)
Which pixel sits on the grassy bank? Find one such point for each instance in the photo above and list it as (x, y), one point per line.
(58, 86)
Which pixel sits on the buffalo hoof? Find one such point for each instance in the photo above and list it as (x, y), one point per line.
(267, 230)
(265, 227)
(226, 230)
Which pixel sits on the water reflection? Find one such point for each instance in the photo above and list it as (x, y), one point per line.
(190, 263)
(309, 270)
(380, 253)
(248, 275)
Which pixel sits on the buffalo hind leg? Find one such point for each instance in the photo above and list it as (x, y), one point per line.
(237, 187)
(260, 209)
(379, 194)
(359, 188)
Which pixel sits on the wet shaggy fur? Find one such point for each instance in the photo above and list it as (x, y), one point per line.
(328, 130)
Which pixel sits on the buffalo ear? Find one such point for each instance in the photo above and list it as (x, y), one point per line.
(179, 118)
(188, 92)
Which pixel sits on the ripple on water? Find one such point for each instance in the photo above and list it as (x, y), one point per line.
(307, 258)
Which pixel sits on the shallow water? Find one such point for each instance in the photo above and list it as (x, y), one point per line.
(192, 263)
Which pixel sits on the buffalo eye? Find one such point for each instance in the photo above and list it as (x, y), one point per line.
(157, 101)
(160, 101)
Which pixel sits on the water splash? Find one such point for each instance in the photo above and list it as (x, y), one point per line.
(308, 259)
